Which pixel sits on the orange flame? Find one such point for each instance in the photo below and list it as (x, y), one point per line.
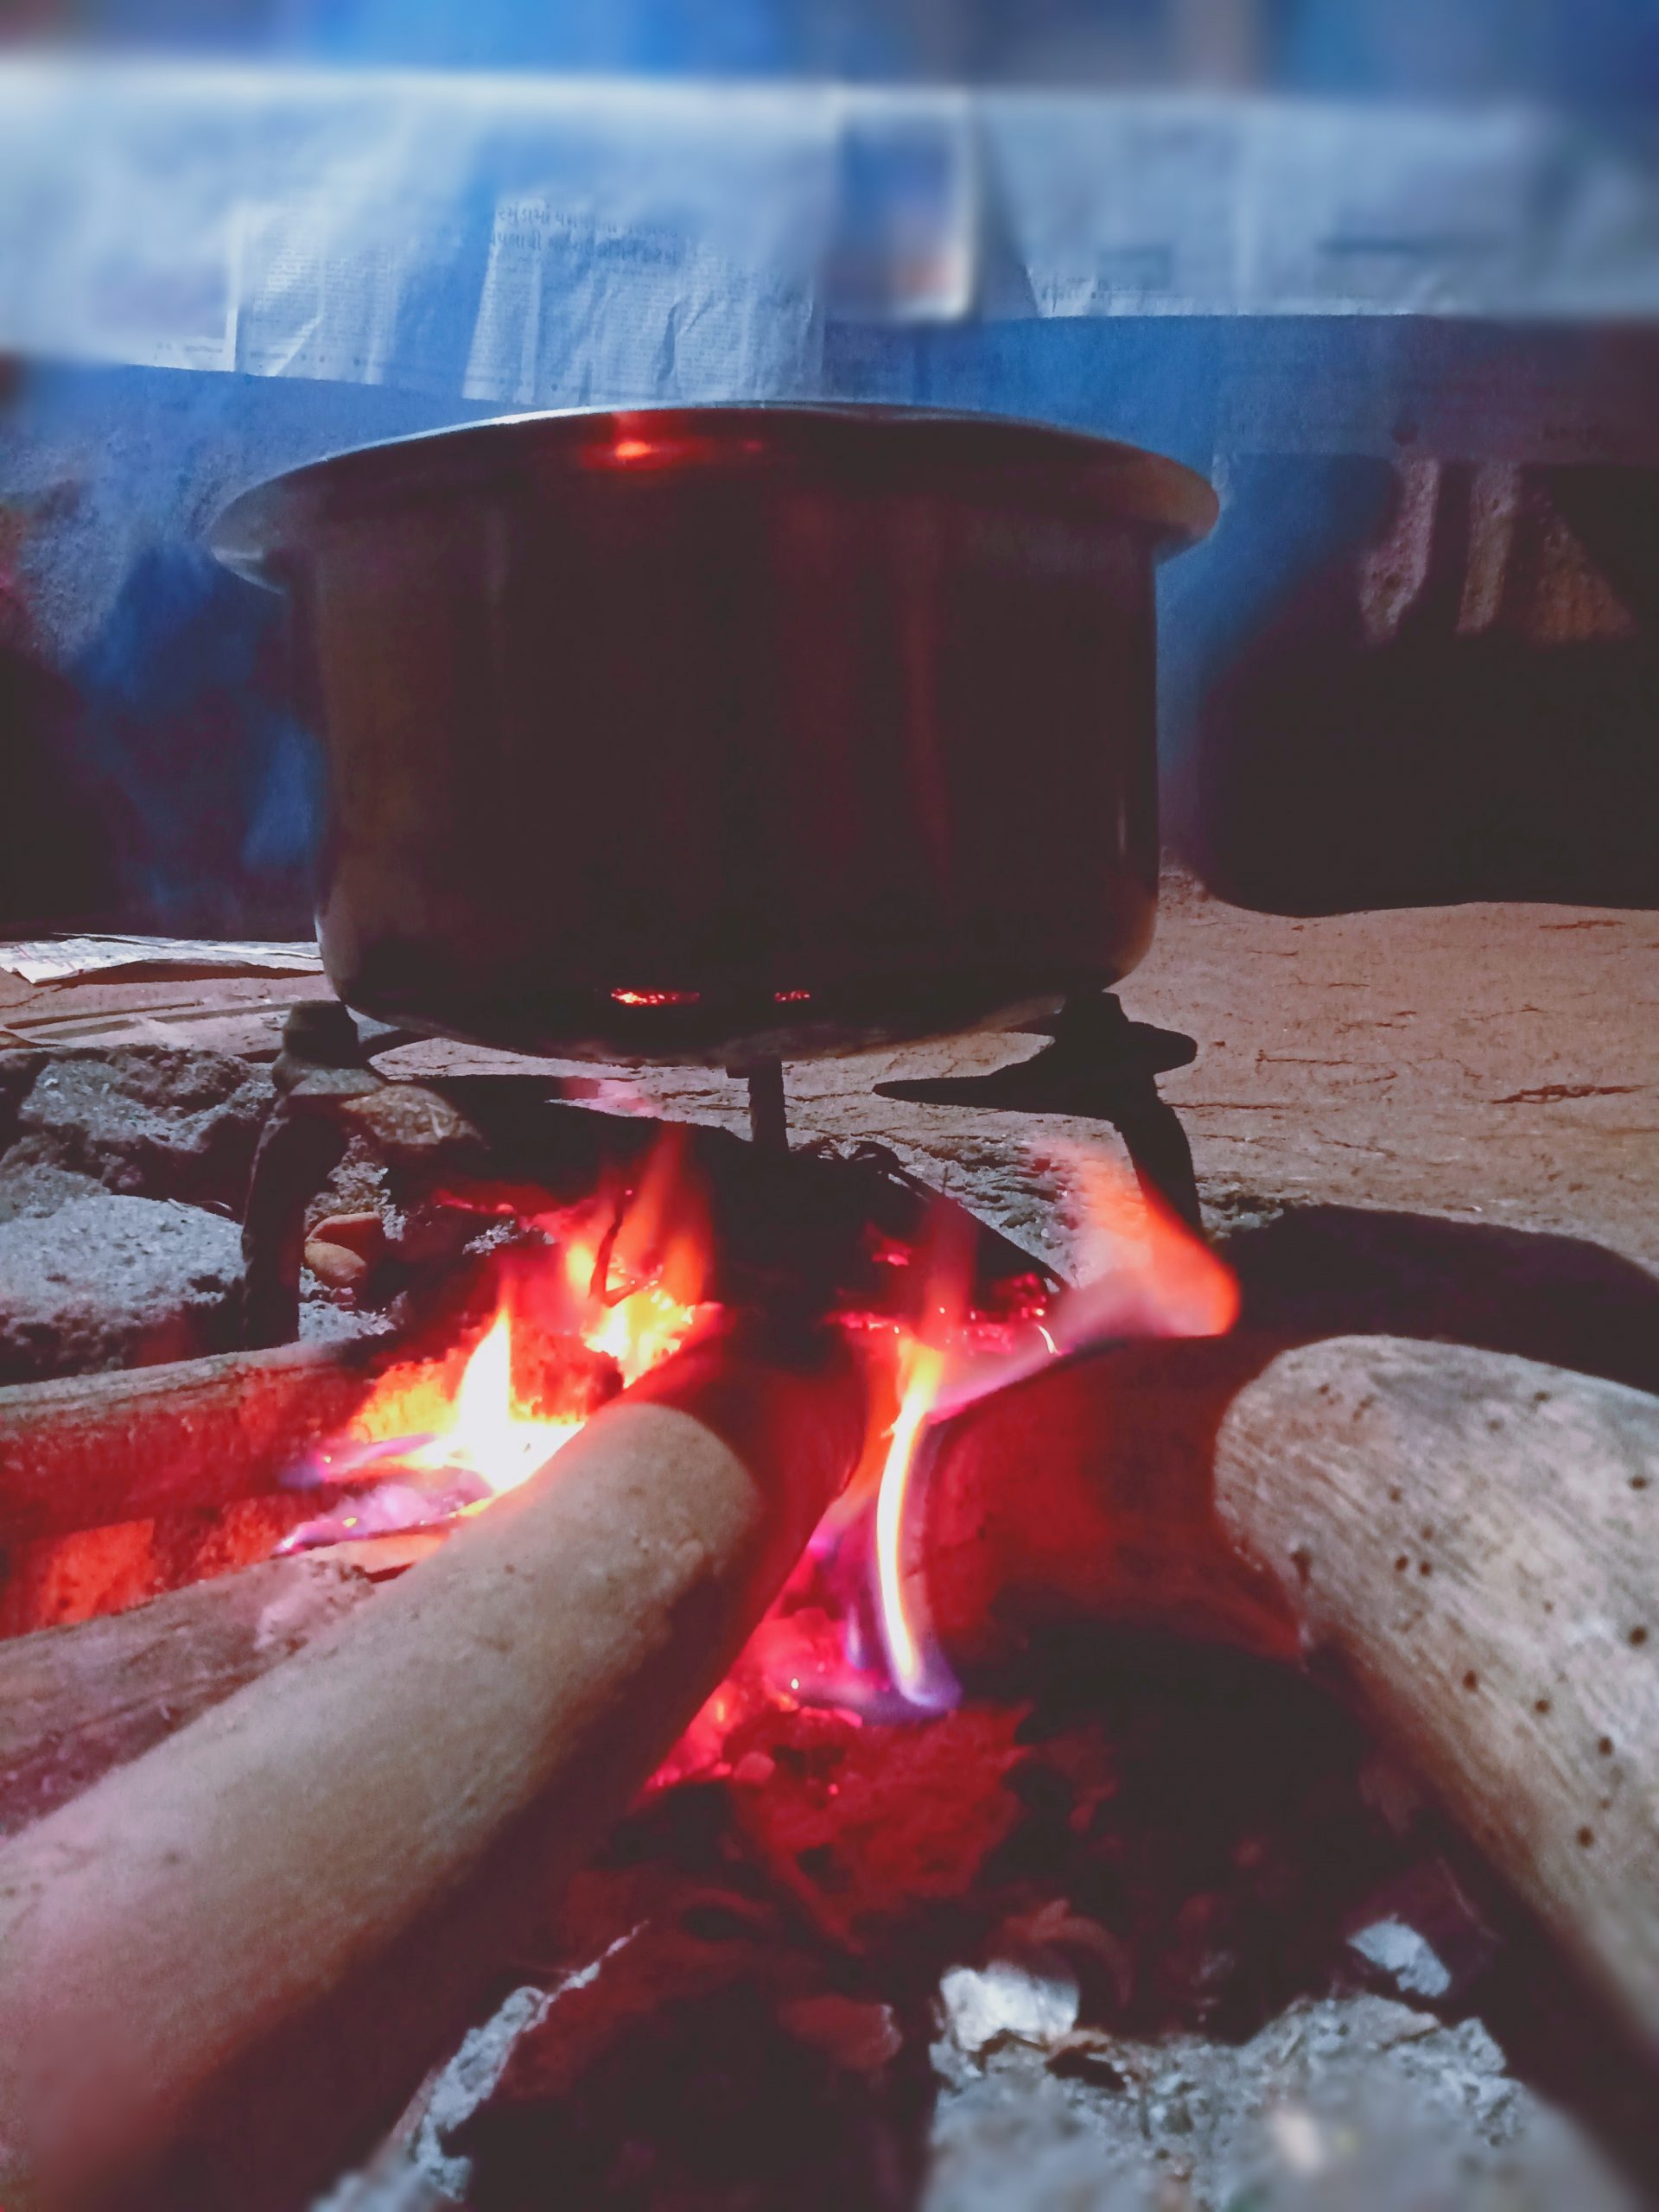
(490, 1431)
(612, 1293)
(616, 1288)
(1145, 1272)
(637, 1272)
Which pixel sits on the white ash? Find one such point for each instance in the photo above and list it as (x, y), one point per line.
(468, 2080)
(1358, 2101)
(1009, 2001)
(416, 2171)
(413, 2172)
(392, 2185)
(1421, 1936)
(1404, 1957)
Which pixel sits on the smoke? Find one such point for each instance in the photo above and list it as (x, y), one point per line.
(189, 731)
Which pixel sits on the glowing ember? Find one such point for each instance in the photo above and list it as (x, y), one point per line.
(648, 446)
(657, 998)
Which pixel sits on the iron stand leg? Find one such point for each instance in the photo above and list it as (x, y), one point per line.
(768, 1112)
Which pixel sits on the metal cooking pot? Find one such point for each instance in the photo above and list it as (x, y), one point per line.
(709, 733)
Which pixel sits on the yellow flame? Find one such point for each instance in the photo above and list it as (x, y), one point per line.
(479, 1422)
(490, 1433)
(639, 1331)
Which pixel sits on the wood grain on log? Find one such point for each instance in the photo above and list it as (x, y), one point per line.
(74, 1702)
(1472, 1539)
(1466, 1539)
(226, 1962)
(93, 1450)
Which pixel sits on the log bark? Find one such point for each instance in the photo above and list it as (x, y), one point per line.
(224, 1964)
(75, 1702)
(93, 1450)
(1469, 1542)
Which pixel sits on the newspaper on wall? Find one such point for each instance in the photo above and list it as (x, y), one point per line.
(544, 242)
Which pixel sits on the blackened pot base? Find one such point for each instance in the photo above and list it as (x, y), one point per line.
(648, 1025)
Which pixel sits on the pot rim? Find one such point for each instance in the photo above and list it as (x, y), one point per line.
(262, 527)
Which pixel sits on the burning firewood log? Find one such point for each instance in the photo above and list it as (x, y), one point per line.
(90, 1450)
(1457, 1537)
(76, 1701)
(225, 1961)
(1464, 1541)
